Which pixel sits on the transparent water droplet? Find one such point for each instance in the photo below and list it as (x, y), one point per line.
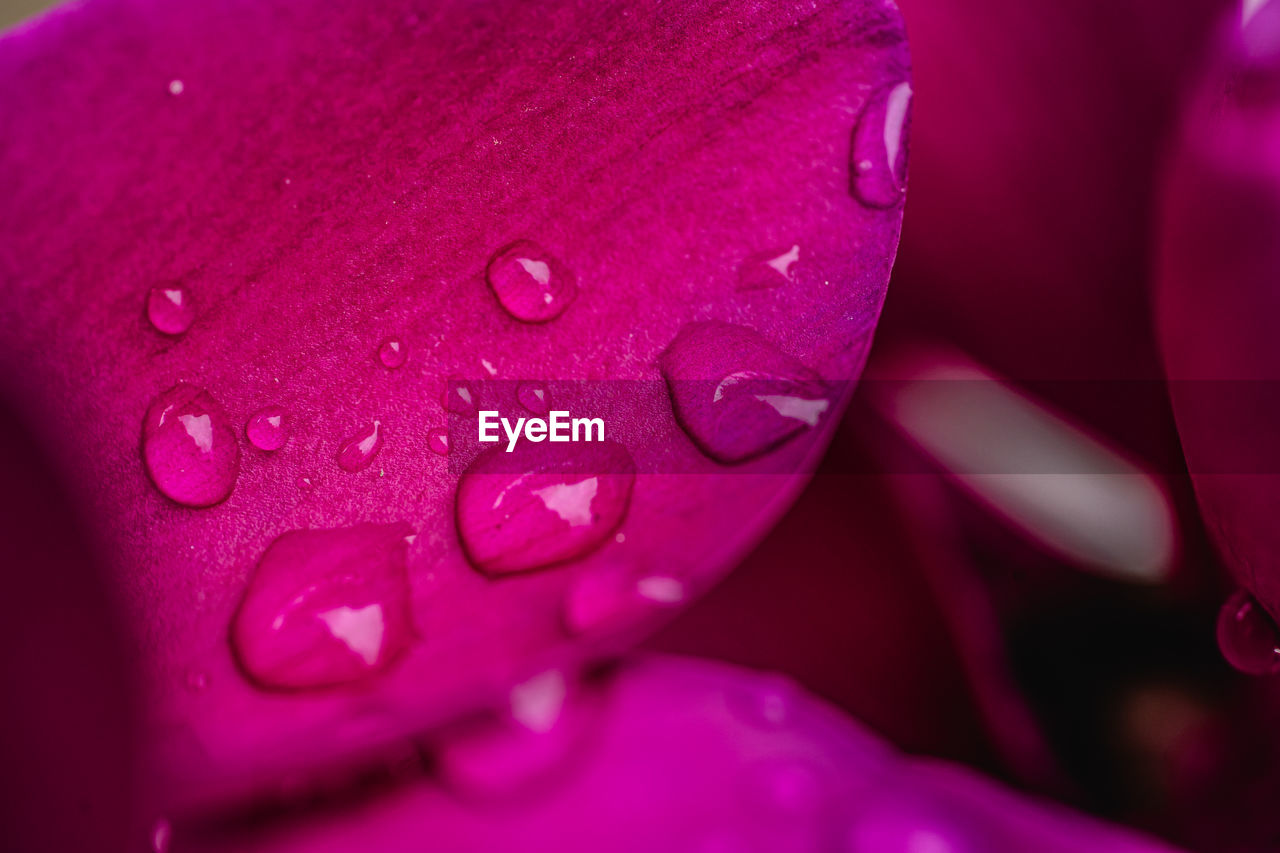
(267, 428)
(541, 504)
(171, 309)
(533, 396)
(609, 597)
(878, 162)
(765, 701)
(458, 397)
(393, 352)
(307, 482)
(438, 440)
(769, 269)
(357, 452)
(197, 680)
(176, 87)
(189, 448)
(735, 394)
(1247, 635)
(531, 284)
(325, 607)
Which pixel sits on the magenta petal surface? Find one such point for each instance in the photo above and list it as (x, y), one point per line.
(691, 755)
(321, 178)
(1219, 256)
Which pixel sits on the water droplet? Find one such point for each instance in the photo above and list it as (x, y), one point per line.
(533, 396)
(267, 428)
(768, 269)
(438, 440)
(611, 596)
(531, 284)
(1247, 635)
(735, 394)
(358, 451)
(542, 504)
(764, 701)
(196, 680)
(189, 447)
(878, 163)
(325, 607)
(392, 352)
(171, 309)
(896, 820)
(536, 704)
(176, 87)
(458, 396)
(161, 836)
(307, 481)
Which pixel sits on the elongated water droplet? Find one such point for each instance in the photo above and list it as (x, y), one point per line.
(438, 440)
(325, 607)
(358, 451)
(541, 504)
(530, 283)
(189, 447)
(267, 428)
(1247, 635)
(171, 309)
(392, 352)
(533, 396)
(768, 269)
(878, 162)
(735, 394)
(161, 836)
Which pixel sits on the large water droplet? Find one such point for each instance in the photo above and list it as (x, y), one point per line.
(735, 394)
(768, 269)
(392, 352)
(358, 451)
(1247, 635)
(267, 428)
(878, 162)
(542, 504)
(189, 447)
(171, 309)
(530, 283)
(533, 396)
(325, 607)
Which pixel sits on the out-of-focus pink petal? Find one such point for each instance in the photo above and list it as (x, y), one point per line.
(691, 755)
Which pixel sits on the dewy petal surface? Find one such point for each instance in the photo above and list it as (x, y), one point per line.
(324, 178)
(693, 755)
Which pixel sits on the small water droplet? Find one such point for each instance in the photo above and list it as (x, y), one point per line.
(267, 428)
(1247, 635)
(161, 836)
(307, 482)
(392, 352)
(176, 87)
(531, 284)
(878, 162)
(536, 704)
(358, 451)
(606, 598)
(898, 820)
(533, 396)
(438, 440)
(541, 504)
(768, 269)
(171, 309)
(197, 681)
(325, 607)
(735, 394)
(458, 396)
(764, 701)
(189, 447)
